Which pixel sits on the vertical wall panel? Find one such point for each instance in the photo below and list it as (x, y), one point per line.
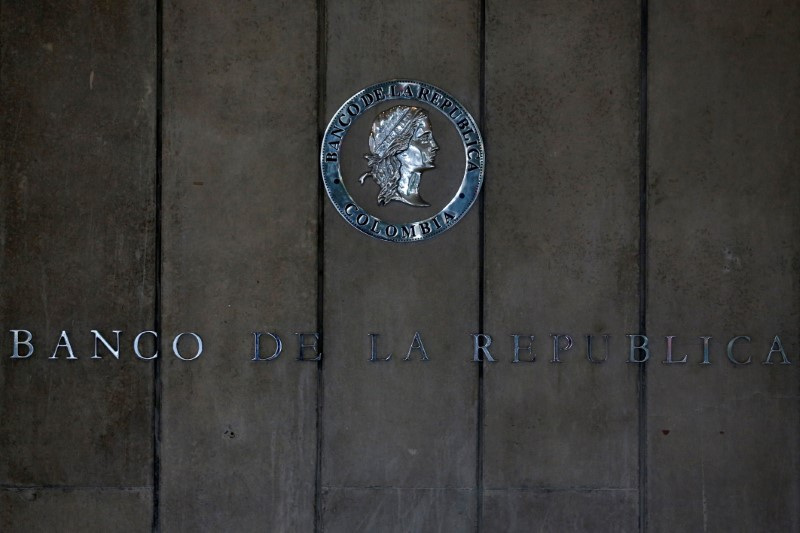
(76, 249)
(399, 436)
(724, 258)
(561, 258)
(239, 219)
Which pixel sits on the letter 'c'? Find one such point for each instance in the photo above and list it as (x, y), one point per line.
(730, 351)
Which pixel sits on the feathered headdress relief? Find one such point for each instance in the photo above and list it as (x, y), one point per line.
(391, 133)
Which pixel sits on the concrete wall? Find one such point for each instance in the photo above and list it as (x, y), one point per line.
(159, 172)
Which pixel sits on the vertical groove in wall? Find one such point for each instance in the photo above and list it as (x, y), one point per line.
(321, 85)
(481, 272)
(157, 260)
(642, 378)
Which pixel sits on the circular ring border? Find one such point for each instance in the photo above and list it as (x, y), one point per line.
(408, 90)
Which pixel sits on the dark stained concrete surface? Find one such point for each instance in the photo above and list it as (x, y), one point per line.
(77, 207)
(724, 228)
(160, 170)
(239, 255)
(561, 243)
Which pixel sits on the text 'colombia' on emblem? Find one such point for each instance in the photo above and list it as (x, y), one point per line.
(417, 160)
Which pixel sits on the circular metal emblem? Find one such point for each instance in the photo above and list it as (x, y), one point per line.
(421, 143)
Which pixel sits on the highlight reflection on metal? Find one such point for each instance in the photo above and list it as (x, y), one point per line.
(402, 146)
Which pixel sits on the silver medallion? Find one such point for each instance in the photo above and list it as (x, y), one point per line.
(400, 152)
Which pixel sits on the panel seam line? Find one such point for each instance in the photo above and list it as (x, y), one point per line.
(481, 275)
(320, 389)
(157, 318)
(643, 191)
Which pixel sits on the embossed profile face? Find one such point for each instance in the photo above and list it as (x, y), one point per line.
(421, 150)
(401, 148)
